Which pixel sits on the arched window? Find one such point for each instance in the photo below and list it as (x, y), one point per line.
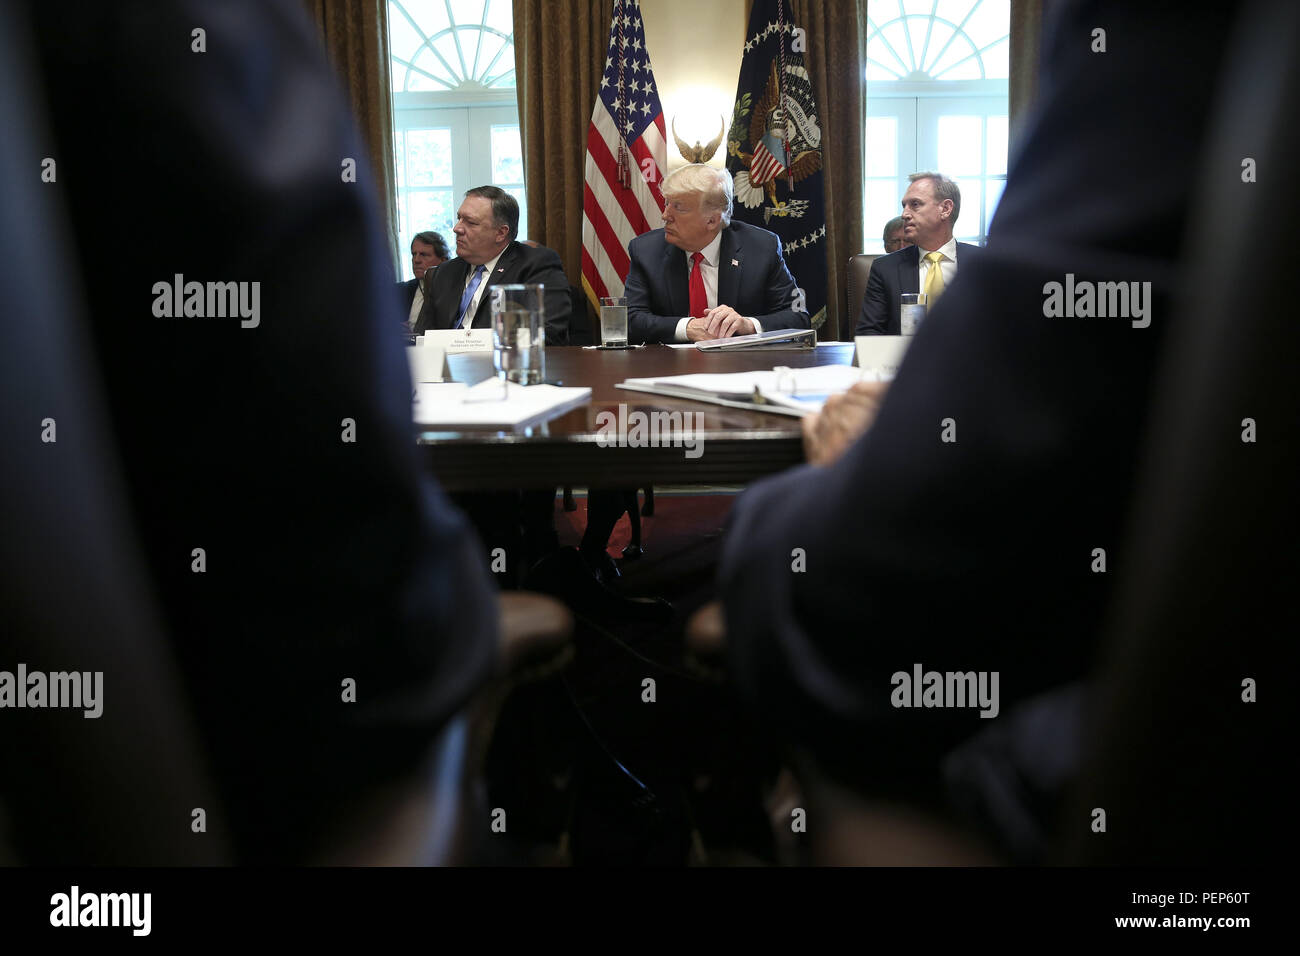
(936, 99)
(455, 118)
(452, 45)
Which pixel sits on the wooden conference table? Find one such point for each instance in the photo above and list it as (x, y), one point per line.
(738, 446)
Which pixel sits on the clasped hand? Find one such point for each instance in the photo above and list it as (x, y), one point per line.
(719, 323)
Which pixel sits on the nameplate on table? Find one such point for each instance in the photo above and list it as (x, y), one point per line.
(456, 341)
(882, 354)
(428, 363)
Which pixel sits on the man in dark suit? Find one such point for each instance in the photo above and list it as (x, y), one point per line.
(703, 276)
(428, 251)
(930, 209)
(522, 523)
(294, 542)
(960, 533)
(488, 254)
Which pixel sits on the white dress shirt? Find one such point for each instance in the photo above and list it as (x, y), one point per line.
(708, 272)
(472, 311)
(947, 265)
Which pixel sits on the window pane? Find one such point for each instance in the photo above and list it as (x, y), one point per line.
(882, 145)
(917, 28)
(507, 155)
(500, 16)
(431, 209)
(965, 65)
(446, 46)
(518, 193)
(403, 38)
(960, 145)
(997, 146)
(399, 154)
(990, 21)
(997, 64)
(883, 203)
(467, 11)
(428, 157)
(992, 194)
(418, 79)
(969, 222)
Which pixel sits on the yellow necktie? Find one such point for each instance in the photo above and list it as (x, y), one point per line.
(933, 278)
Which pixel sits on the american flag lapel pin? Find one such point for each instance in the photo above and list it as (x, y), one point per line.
(735, 262)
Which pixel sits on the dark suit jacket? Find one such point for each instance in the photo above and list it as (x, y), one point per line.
(406, 293)
(327, 558)
(757, 286)
(891, 277)
(518, 264)
(975, 554)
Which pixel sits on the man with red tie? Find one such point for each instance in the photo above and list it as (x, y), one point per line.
(703, 276)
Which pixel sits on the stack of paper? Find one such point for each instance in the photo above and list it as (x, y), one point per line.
(787, 391)
(492, 404)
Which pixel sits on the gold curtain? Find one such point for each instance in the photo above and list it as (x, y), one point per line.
(355, 34)
(837, 59)
(1026, 41)
(560, 48)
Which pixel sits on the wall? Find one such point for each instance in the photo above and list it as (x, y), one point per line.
(695, 48)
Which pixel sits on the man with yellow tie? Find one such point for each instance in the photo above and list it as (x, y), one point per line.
(930, 208)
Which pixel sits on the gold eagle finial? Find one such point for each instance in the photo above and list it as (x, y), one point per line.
(698, 153)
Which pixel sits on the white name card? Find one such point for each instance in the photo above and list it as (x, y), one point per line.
(455, 341)
(426, 362)
(880, 353)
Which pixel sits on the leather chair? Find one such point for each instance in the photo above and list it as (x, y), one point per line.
(858, 272)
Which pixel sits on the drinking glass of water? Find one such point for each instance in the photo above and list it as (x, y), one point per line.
(519, 333)
(613, 321)
(911, 312)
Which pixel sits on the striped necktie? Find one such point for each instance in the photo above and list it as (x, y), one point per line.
(468, 297)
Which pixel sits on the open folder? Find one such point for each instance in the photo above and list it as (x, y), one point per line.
(785, 391)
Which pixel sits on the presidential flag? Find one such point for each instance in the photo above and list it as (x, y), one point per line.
(774, 148)
(626, 151)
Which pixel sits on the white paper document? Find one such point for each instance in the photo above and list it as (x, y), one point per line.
(492, 403)
(786, 391)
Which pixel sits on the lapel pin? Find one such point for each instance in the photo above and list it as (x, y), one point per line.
(735, 262)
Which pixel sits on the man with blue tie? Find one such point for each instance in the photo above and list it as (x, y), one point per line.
(930, 209)
(488, 253)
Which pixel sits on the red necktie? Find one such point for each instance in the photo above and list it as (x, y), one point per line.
(699, 298)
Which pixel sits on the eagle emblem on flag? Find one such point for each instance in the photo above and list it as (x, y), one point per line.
(781, 140)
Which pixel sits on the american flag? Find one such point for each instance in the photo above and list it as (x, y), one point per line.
(626, 152)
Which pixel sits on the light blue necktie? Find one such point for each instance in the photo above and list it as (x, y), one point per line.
(469, 295)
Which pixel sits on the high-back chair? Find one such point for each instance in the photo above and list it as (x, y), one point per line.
(859, 271)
